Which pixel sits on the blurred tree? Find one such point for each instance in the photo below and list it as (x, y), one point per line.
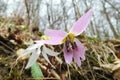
(109, 21)
(33, 14)
(61, 14)
(3, 7)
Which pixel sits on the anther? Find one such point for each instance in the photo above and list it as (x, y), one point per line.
(74, 45)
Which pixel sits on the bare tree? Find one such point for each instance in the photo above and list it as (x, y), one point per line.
(76, 9)
(109, 21)
(33, 12)
(3, 7)
(61, 15)
(64, 14)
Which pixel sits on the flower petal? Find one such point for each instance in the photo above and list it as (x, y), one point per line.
(55, 33)
(33, 58)
(67, 55)
(77, 60)
(45, 55)
(29, 50)
(33, 46)
(53, 41)
(81, 24)
(50, 52)
(56, 36)
(39, 41)
(80, 52)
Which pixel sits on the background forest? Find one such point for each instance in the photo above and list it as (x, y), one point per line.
(23, 21)
(60, 14)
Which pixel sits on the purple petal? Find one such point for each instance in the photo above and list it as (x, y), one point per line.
(55, 34)
(77, 60)
(53, 41)
(81, 24)
(68, 55)
(79, 52)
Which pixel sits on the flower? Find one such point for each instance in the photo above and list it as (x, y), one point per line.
(73, 48)
(36, 49)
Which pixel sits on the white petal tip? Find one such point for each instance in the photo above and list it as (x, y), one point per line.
(27, 67)
(68, 62)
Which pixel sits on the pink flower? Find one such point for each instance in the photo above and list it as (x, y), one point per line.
(73, 48)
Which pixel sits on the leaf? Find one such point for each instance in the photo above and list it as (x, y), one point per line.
(36, 71)
(92, 38)
(91, 57)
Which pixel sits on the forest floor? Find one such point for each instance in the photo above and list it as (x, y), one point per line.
(102, 59)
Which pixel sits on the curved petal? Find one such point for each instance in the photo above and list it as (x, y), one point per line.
(55, 33)
(53, 41)
(56, 36)
(46, 56)
(33, 58)
(81, 24)
(40, 42)
(68, 55)
(50, 52)
(33, 46)
(77, 60)
(80, 51)
(29, 50)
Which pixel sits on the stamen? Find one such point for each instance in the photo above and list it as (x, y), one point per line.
(74, 45)
(71, 37)
(67, 45)
(69, 42)
(70, 45)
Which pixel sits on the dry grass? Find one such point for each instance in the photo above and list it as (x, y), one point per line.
(102, 59)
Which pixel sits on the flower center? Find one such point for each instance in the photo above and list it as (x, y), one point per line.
(69, 42)
(70, 37)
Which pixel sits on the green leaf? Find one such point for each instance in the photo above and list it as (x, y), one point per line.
(91, 58)
(36, 71)
(92, 38)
